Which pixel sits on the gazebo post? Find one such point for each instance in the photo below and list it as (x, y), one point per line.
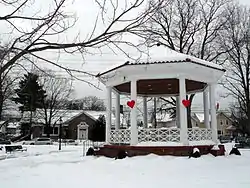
(213, 112)
(145, 113)
(183, 111)
(133, 128)
(177, 117)
(117, 111)
(206, 109)
(109, 113)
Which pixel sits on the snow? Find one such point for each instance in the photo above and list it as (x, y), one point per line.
(196, 150)
(166, 55)
(13, 125)
(171, 55)
(44, 166)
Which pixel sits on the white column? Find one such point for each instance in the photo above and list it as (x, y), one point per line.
(145, 113)
(183, 112)
(117, 112)
(206, 109)
(133, 116)
(213, 112)
(177, 118)
(109, 113)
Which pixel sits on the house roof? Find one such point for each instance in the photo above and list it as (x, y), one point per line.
(13, 125)
(96, 114)
(163, 117)
(66, 115)
(201, 117)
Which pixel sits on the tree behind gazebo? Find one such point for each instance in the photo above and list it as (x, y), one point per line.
(97, 133)
(189, 27)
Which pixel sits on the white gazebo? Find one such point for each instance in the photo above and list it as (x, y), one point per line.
(174, 74)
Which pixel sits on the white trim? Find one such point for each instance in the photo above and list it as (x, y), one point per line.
(206, 108)
(164, 95)
(145, 113)
(162, 71)
(133, 116)
(117, 111)
(183, 112)
(177, 122)
(213, 113)
(109, 113)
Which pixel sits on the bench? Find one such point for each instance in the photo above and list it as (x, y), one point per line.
(9, 149)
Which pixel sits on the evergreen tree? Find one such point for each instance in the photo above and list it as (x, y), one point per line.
(30, 95)
(98, 130)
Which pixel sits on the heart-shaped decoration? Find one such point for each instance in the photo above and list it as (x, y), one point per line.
(186, 103)
(131, 103)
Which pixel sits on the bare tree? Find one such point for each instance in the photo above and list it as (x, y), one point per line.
(7, 81)
(58, 90)
(236, 41)
(188, 26)
(88, 103)
(45, 27)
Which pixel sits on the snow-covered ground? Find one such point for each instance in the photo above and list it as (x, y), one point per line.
(44, 166)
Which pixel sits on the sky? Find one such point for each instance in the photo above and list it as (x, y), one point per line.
(94, 61)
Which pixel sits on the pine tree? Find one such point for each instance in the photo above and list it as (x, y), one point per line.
(30, 95)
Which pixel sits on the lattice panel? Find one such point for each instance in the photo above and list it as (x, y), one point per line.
(120, 136)
(198, 134)
(159, 135)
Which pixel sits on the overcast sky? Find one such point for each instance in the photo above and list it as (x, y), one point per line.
(86, 11)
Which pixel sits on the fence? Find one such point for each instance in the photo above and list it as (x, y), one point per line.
(122, 136)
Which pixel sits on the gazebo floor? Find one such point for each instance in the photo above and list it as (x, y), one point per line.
(112, 150)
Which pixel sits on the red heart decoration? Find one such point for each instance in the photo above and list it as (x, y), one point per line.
(186, 103)
(131, 103)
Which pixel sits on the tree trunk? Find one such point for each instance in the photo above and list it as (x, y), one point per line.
(189, 118)
(155, 120)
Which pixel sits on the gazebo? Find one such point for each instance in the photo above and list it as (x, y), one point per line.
(175, 75)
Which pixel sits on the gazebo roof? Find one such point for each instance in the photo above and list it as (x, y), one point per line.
(162, 67)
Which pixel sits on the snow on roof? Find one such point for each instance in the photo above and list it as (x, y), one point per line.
(162, 54)
(231, 127)
(96, 114)
(2, 122)
(200, 116)
(13, 125)
(66, 116)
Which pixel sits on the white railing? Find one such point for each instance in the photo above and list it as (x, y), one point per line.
(122, 136)
(198, 134)
(159, 135)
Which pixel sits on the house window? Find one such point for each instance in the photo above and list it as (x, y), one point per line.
(221, 122)
(56, 130)
(219, 132)
(51, 130)
(226, 122)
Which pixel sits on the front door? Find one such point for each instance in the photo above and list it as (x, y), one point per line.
(83, 134)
